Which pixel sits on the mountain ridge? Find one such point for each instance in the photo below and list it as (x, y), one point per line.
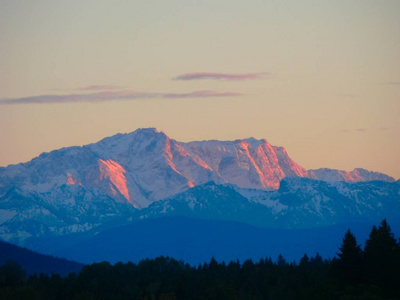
(124, 177)
(146, 165)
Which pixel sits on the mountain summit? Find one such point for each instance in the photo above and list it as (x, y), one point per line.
(146, 165)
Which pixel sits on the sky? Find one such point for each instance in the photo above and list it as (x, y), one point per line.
(321, 78)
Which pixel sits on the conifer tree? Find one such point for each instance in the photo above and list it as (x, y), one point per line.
(350, 260)
(382, 258)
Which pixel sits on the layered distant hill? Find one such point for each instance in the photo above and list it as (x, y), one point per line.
(33, 262)
(146, 174)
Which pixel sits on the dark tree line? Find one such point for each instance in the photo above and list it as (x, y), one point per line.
(369, 273)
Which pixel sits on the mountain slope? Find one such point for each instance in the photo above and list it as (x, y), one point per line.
(299, 203)
(127, 176)
(33, 262)
(213, 202)
(197, 241)
(146, 165)
(356, 175)
(248, 163)
(68, 209)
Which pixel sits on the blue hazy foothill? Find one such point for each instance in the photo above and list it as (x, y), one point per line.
(33, 262)
(197, 241)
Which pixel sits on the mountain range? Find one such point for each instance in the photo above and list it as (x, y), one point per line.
(77, 192)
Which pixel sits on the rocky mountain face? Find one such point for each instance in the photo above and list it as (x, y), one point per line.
(356, 175)
(146, 166)
(301, 215)
(247, 163)
(62, 211)
(298, 203)
(125, 176)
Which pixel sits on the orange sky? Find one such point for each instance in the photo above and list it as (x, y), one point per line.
(321, 78)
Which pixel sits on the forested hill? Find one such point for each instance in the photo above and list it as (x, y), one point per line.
(33, 262)
(369, 273)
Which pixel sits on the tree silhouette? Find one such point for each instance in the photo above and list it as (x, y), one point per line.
(382, 258)
(11, 273)
(349, 265)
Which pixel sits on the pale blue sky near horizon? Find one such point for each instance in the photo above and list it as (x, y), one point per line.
(326, 82)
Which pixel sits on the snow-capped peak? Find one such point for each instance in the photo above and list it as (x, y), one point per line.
(147, 165)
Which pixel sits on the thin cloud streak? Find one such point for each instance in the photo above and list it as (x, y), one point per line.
(99, 88)
(361, 129)
(346, 95)
(220, 76)
(112, 96)
(392, 83)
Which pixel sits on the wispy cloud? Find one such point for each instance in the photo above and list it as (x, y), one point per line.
(361, 130)
(112, 96)
(99, 88)
(392, 83)
(220, 76)
(346, 95)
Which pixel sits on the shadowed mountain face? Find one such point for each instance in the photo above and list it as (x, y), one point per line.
(146, 174)
(299, 203)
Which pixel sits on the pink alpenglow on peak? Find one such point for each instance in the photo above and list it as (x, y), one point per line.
(248, 163)
(71, 180)
(113, 171)
(146, 166)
